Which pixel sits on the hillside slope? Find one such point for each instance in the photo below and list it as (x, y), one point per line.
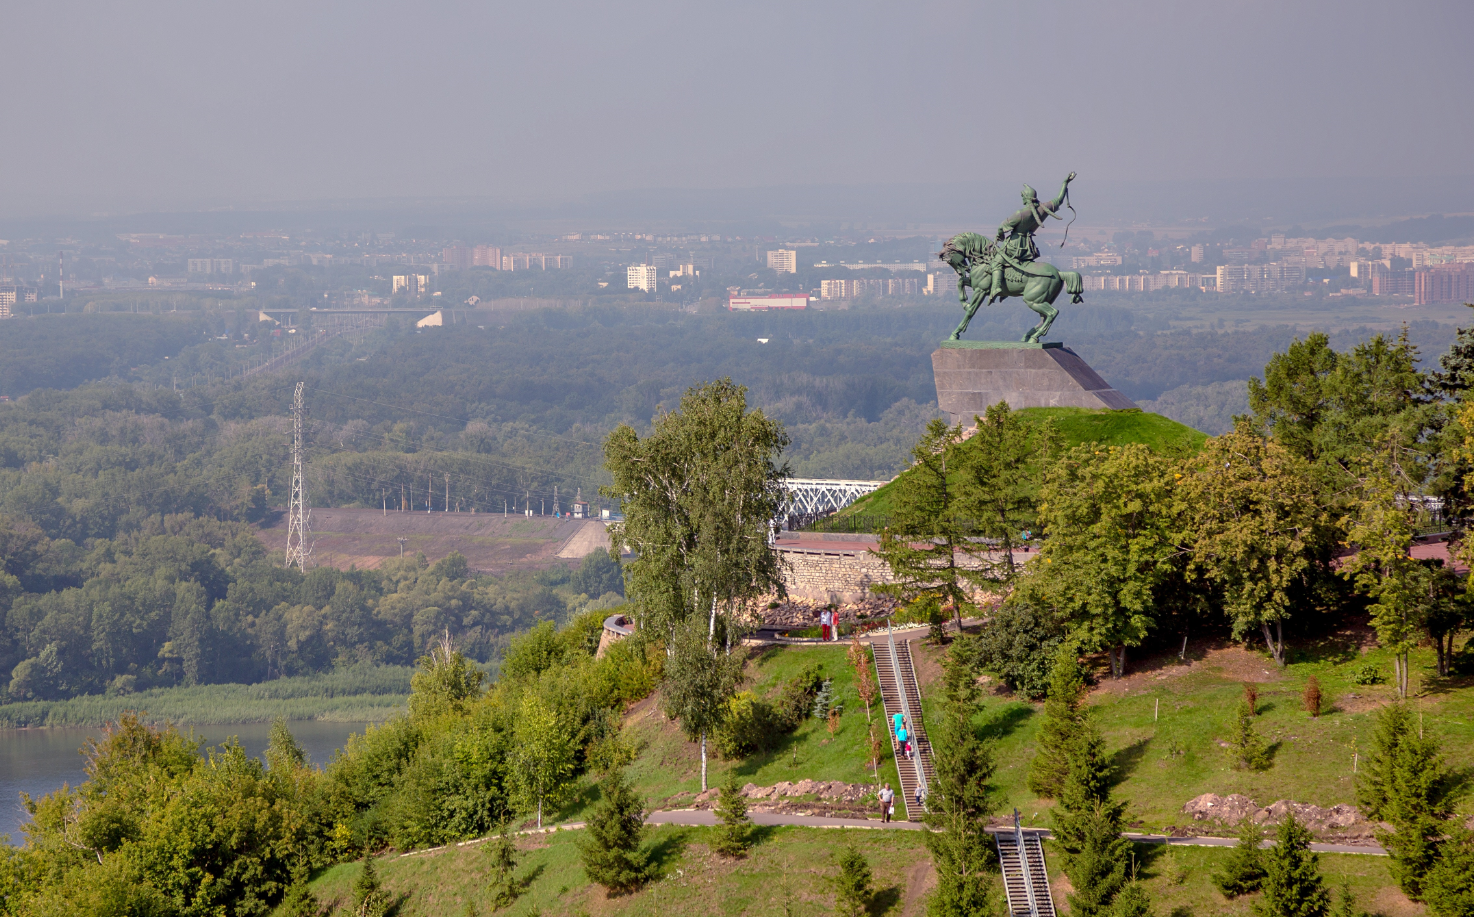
(1076, 426)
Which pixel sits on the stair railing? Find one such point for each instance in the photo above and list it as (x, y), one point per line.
(1023, 861)
(906, 711)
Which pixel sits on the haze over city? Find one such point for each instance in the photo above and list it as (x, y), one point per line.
(824, 109)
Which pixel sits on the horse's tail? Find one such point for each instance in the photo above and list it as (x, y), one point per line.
(1074, 285)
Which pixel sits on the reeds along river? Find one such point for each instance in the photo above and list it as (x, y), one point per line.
(38, 761)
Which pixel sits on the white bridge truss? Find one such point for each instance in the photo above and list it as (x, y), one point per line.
(809, 496)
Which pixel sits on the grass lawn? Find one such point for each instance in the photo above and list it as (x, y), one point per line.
(1166, 724)
(788, 867)
(669, 765)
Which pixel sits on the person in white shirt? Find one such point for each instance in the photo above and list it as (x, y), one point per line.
(887, 803)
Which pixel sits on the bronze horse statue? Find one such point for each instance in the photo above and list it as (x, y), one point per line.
(975, 257)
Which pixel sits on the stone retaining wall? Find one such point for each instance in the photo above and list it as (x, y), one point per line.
(842, 575)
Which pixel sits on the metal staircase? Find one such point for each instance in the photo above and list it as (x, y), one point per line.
(1021, 854)
(899, 693)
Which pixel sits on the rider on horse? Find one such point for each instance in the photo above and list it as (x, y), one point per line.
(1015, 237)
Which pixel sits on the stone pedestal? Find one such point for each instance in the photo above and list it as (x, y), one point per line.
(971, 375)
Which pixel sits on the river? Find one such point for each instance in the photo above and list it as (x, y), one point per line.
(37, 761)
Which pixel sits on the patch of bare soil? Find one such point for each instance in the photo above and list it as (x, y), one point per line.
(1230, 661)
(920, 880)
(490, 542)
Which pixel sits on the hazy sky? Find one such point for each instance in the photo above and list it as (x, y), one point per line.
(173, 104)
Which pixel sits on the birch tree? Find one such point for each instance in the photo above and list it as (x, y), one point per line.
(700, 495)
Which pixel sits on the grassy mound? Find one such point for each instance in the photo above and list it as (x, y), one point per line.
(1077, 426)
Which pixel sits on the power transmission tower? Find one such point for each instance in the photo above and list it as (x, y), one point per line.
(298, 513)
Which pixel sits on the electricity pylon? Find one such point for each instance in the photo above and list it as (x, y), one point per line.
(298, 513)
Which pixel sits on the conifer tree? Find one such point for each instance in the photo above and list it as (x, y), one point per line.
(610, 845)
(1132, 901)
(1086, 787)
(299, 901)
(854, 886)
(1346, 904)
(1448, 889)
(1394, 723)
(960, 800)
(1417, 806)
(1248, 747)
(1244, 871)
(502, 854)
(369, 898)
(735, 834)
(1292, 885)
(1062, 725)
(1097, 867)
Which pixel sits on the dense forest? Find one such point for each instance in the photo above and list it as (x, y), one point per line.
(187, 600)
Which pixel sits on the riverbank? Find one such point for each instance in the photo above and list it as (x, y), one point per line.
(361, 694)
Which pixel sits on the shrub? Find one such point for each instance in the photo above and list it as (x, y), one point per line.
(796, 698)
(1369, 674)
(748, 726)
(1251, 697)
(1311, 697)
(1018, 645)
(369, 898)
(610, 845)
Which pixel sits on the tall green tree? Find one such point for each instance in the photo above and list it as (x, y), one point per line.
(1381, 526)
(1252, 524)
(610, 845)
(544, 754)
(1062, 725)
(1416, 804)
(1107, 521)
(1292, 884)
(959, 799)
(699, 495)
(927, 539)
(997, 494)
(1098, 866)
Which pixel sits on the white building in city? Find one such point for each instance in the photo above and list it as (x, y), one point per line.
(642, 277)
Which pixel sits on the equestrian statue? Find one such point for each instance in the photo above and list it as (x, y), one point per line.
(1009, 265)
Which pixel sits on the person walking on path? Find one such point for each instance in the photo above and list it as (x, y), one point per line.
(887, 803)
(825, 617)
(898, 724)
(920, 799)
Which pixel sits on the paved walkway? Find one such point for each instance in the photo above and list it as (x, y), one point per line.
(707, 818)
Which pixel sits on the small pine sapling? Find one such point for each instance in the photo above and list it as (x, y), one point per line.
(1311, 697)
(369, 898)
(1292, 885)
(1244, 871)
(734, 836)
(610, 845)
(833, 720)
(1346, 904)
(1248, 747)
(1251, 697)
(502, 854)
(853, 887)
(1132, 901)
(299, 901)
(824, 699)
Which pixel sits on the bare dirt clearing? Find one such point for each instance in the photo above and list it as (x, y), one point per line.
(491, 543)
